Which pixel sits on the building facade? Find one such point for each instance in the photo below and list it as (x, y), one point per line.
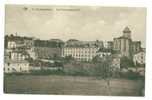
(139, 58)
(80, 53)
(136, 46)
(12, 66)
(102, 52)
(44, 52)
(123, 44)
(74, 42)
(15, 44)
(18, 55)
(116, 63)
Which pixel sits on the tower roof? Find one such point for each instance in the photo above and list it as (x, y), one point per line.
(126, 30)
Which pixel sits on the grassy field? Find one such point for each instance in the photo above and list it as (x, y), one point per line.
(70, 85)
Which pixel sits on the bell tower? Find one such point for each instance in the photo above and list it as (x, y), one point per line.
(127, 32)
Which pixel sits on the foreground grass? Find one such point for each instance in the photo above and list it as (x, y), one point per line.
(70, 85)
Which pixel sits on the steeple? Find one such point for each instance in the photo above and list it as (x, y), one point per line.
(127, 32)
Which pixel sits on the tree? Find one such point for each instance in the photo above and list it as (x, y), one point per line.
(103, 69)
(30, 60)
(96, 59)
(126, 62)
(68, 58)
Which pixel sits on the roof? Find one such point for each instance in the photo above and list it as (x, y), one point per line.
(56, 40)
(104, 50)
(122, 37)
(16, 61)
(140, 51)
(126, 29)
(72, 40)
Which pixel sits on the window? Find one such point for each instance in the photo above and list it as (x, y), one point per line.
(20, 68)
(8, 64)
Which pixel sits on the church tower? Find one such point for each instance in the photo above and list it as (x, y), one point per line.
(127, 33)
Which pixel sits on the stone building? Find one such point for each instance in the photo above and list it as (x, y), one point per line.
(74, 42)
(139, 58)
(80, 53)
(136, 46)
(43, 49)
(16, 66)
(102, 52)
(19, 55)
(123, 43)
(44, 52)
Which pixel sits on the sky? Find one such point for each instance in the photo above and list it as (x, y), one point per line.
(87, 23)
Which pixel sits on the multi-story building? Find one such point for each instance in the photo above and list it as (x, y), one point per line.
(123, 43)
(116, 58)
(15, 61)
(102, 52)
(108, 44)
(115, 63)
(74, 42)
(139, 58)
(136, 46)
(16, 55)
(19, 55)
(14, 41)
(28, 42)
(80, 53)
(96, 43)
(44, 52)
(14, 66)
(42, 49)
(15, 44)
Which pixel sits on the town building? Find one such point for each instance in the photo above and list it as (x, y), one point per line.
(74, 42)
(15, 44)
(45, 49)
(14, 66)
(14, 41)
(139, 58)
(116, 58)
(102, 52)
(80, 53)
(15, 61)
(123, 43)
(19, 55)
(136, 46)
(7, 54)
(28, 42)
(108, 44)
(44, 52)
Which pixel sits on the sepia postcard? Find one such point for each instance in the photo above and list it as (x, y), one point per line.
(74, 50)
